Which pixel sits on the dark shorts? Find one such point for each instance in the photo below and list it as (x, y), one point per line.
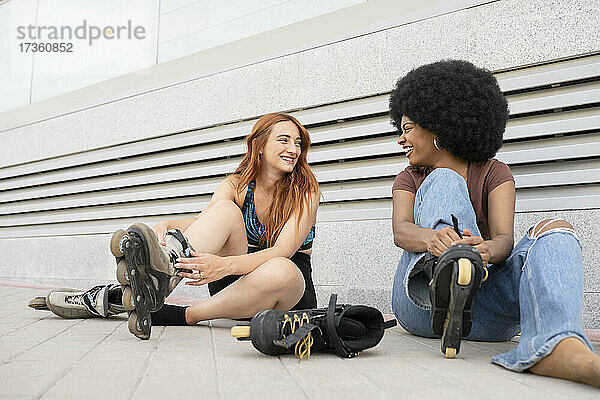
(302, 261)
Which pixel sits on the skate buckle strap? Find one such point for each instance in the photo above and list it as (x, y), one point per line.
(457, 230)
(332, 336)
(182, 239)
(300, 336)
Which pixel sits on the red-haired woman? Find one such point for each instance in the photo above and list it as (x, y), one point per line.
(251, 244)
(253, 241)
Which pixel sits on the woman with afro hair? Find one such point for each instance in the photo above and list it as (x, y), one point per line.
(453, 214)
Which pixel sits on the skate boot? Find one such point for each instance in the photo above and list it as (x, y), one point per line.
(99, 301)
(345, 329)
(146, 269)
(455, 278)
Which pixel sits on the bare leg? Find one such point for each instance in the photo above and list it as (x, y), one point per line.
(276, 284)
(571, 359)
(219, 230)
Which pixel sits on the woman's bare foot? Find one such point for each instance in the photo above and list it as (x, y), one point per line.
(571, 359)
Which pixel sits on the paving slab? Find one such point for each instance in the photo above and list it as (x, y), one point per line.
(46, 357)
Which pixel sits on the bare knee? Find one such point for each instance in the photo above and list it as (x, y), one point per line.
(279, 274)
(549, 224)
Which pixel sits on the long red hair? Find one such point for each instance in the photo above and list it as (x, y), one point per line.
(292, 192)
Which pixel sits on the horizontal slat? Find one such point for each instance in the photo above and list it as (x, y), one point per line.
(557, 198)
(345, 110)
(552, 124)
(551, 149)
(351, 130)
(361, 169)
(561, 73)
(543, 101)
(83, 227)
(562, 178)
(355, 211)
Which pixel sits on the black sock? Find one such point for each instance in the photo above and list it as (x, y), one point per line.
(169, 315)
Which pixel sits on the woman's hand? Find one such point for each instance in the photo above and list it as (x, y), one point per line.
(160, 229)
(441, 240)
(209, 266)
(477, 242)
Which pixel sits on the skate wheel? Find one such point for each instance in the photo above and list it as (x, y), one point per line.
(133, 324)
(464, 271)
(240, 331)
(122, 272)
(450, 352)
(127, 299)
(115, 240)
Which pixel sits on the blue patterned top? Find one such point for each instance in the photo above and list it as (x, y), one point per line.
(254, 229)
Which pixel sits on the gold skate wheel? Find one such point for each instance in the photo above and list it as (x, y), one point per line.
(122, 272)
(240, 331)
(450, 352)
(127, 299)
(464, 271)
(115, 241)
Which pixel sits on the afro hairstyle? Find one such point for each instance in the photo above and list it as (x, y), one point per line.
(462, 105)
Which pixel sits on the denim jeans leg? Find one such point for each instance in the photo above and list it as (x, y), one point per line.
(442, 193)
(550, 298)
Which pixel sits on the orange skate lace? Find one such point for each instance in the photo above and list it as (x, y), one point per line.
(302, 348)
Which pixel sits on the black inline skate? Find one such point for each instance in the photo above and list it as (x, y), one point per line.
(146, 269)
(345, 329)
(455, 276)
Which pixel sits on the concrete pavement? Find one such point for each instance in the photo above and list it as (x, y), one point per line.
(43, 356)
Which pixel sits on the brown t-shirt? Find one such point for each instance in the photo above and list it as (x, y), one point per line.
(482, 178)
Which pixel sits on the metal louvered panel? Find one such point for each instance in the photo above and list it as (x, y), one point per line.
(554, 154)
(567, 147)
(575, 94)
(550, 75)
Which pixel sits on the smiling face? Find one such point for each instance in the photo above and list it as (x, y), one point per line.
(418, 143)
(283, 147)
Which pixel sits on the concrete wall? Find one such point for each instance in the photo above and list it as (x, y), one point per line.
(498, 35)
(168, 30)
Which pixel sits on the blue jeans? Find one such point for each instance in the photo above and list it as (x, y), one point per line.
(537, 290)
